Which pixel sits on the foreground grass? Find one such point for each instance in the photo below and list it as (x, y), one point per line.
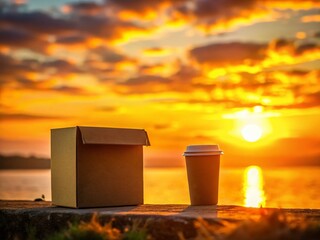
(94, 230)
(273, 225)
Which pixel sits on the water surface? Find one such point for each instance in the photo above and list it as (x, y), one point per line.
(252, 186)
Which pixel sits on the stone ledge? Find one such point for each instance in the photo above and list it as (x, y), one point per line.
(164, 221)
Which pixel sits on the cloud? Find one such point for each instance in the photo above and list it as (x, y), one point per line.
(70, 90)
(282, 44)
(236, 86)
(146, 84)
(317, 35)
(143, 84)
(26, 117)
(12, 69)
(91, 24)
(39, 76)
(276, 89)
(212, 11)
(290, 52)
(31, 70)
(291, 4)
(108, 64)
(203, 13)
(138, 5)
(73, 39)
(218, 59)
(308, 47)
(310, 18)
(179, 81)
(311, 100)
(185, 79)
(228, 103)
(141, 9)
(16, 38)
(108, 28)
(186, 74)
(108, 108)
(37, 22)
(112, 56)
(146, 79)
(60, 66)
(80, 42)
(221, 15)
(151, 69)
(156, 52)
(85, 8)
(103, 64)
(162, 126)
(33, 29)
(228, 53)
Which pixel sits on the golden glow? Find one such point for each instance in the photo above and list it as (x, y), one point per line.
(220, 26)
(19, 2)
(306, 4)
(95, 42)
(301, 35)
(311, 18)
(127, 35)
(253, 187)
(217, 72)
(66, 9)
(253, 125)
(251, 132)
(156, 52)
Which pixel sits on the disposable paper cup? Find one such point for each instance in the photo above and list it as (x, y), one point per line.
(203, 164)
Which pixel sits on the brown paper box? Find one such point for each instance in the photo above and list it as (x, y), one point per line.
(97, 167)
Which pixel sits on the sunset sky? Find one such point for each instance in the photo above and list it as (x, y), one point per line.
(187, 71)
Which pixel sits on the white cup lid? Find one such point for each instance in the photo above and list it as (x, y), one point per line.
(197, 150)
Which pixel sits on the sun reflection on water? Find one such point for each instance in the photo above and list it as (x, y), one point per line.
(253, 187)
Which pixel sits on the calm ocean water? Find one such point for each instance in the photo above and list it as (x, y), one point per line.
(252, 186)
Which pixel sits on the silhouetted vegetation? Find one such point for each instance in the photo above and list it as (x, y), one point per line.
(20, 162)
(272, 225)
(94, 230)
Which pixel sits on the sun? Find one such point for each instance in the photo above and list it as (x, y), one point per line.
(251, 132)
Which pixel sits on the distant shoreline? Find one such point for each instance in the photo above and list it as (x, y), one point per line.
(16, 162)
(24, 163)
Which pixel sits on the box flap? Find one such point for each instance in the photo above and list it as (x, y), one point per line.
(118, 136)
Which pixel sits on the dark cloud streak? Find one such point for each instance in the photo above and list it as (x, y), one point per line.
(85, 8)
(41, 29)
(37, 22)
(26, 117)
(14, 74)
(71, 39)
(228, 53)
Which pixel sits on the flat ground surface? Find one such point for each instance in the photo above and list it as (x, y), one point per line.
(175, 211)
(162, 222)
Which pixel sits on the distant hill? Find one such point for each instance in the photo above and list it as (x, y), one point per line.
(19, 162)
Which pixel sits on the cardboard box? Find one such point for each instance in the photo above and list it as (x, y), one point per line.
(97, 167)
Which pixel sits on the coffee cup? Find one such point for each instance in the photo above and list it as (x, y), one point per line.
(203, 165)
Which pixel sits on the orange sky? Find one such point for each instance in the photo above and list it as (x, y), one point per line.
(189, 72)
